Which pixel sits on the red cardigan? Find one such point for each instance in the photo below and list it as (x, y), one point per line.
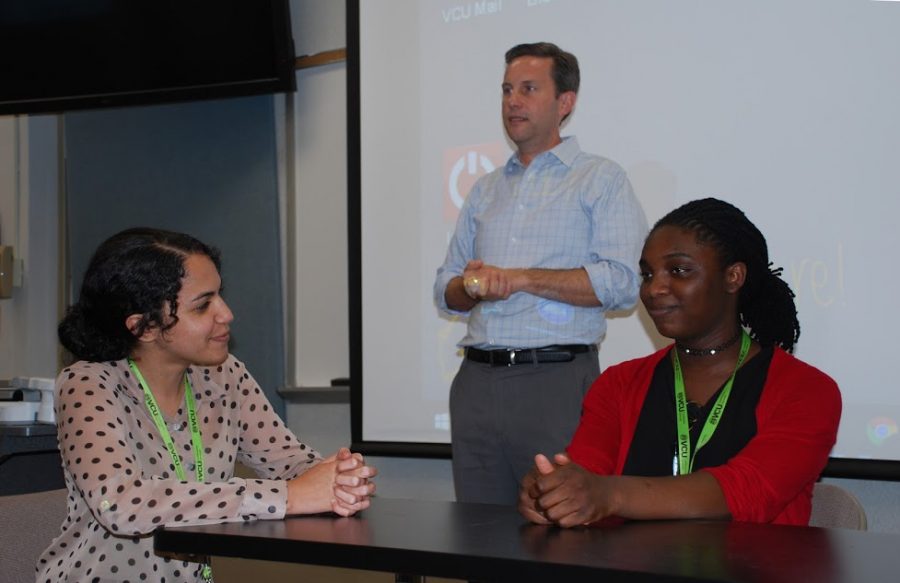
(771, 479)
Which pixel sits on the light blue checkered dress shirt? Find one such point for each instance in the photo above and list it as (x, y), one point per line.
(566, 209)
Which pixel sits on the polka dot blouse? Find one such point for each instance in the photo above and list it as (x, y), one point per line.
(122, 483)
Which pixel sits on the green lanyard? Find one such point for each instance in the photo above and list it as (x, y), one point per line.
(164, 431)
(206, 571)
(684, 460)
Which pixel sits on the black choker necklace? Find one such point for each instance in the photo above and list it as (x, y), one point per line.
(709, 351)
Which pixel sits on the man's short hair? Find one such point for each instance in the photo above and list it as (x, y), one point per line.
(565, 72)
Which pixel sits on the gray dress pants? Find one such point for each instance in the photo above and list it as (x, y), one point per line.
(500, 417)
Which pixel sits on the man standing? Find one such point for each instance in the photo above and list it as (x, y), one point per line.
(543, 247)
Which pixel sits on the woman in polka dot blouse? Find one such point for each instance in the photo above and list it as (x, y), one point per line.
(151, 332)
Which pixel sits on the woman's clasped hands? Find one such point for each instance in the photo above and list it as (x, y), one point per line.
(563, 493)
(339, 483)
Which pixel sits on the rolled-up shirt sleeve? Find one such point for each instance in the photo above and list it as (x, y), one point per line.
(460, 251)
(797, 421)
(619, 229)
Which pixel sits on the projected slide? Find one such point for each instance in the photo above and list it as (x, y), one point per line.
(788, 108)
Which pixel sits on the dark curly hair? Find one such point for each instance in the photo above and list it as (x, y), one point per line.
(766, 302)
(136, 271)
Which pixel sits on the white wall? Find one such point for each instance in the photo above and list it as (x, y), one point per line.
(320, 227)
(29, 193)
(317, 282)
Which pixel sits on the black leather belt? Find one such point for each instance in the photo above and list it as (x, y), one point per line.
(511, 356)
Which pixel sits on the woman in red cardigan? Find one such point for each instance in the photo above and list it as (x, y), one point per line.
(724, 423)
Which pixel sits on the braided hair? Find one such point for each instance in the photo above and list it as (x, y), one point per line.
(765, 302)
(136, 271)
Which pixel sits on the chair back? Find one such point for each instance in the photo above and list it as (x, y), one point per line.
(22, 472)
(28, 524)
(835, 507)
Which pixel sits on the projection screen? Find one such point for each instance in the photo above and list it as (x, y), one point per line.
(787, 108)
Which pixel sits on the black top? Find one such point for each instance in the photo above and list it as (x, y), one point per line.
(653, 446)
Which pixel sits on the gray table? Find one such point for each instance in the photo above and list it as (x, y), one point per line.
(492, 543)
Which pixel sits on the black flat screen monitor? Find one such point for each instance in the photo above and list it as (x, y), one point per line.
(59, 55)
